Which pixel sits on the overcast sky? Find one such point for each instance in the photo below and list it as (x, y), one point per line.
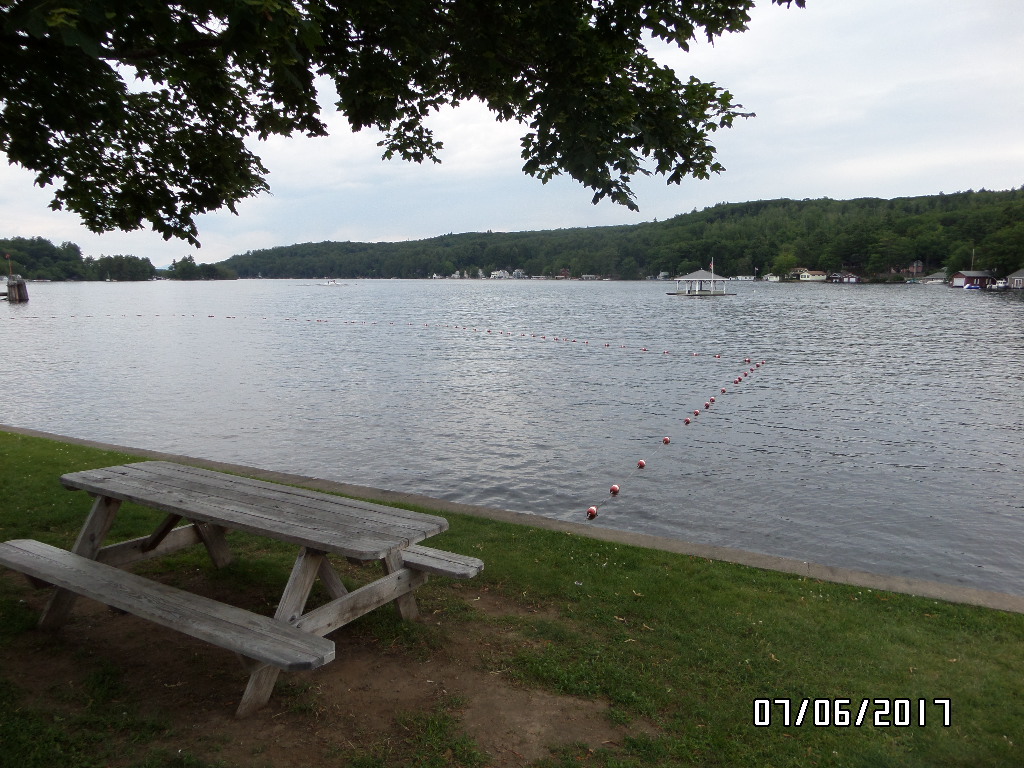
(854, 98)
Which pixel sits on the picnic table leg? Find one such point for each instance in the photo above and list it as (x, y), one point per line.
(293, 603)
(331, 580)
(405, 604)
(215, 542)
(94, 531)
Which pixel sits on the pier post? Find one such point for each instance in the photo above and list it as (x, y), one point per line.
(17, 290)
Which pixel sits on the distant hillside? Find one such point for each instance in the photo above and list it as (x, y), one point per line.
(868, 236)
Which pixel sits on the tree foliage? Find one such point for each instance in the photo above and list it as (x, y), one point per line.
(867, 236)
(187, 269)
(36, 258)
(140, 111)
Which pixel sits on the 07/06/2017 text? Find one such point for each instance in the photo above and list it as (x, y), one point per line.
(880, 712)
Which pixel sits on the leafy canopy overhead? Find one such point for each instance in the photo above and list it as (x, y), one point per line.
(139, 111)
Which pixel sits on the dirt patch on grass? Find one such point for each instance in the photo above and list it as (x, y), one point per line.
(359, 705)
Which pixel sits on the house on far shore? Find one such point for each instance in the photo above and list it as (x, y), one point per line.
(844, 277)
(812, 276)
(1016, 279)
(972, 277)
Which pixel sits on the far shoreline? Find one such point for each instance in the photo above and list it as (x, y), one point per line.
(1002, 601)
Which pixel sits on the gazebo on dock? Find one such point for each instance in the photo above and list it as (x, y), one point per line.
(700, 283)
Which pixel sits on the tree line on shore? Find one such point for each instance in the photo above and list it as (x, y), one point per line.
(36, 258)
(870, 237)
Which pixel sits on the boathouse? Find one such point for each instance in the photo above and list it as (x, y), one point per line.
(1016, 279)
(972, 277)
(843, 277)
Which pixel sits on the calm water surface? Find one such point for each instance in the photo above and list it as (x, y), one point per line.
(883, 432)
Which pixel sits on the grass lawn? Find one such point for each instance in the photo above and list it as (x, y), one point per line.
(684, 644)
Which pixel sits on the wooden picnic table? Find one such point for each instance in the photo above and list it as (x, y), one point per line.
(200, 506)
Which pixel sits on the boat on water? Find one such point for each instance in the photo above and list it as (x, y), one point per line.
(700, 284)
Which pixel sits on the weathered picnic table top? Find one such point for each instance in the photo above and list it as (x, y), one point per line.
(319, 521)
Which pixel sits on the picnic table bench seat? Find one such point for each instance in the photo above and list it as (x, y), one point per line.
(441, 563)
(252, 635)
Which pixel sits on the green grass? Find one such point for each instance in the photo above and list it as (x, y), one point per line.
(681, 643)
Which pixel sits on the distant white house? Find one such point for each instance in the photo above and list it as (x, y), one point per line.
(500, 274)
(812, 276)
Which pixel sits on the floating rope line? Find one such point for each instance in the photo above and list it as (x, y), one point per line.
(616, 488)
(482, 330)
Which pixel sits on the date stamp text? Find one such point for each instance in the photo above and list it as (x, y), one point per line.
(856, 713)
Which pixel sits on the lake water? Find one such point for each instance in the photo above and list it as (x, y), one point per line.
(883, 432)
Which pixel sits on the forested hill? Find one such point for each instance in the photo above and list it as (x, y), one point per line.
(867, 236)
(873, 238)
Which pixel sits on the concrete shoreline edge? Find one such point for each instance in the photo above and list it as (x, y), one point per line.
(1001, 601)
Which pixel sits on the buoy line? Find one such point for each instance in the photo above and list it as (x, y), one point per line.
(616, 488)
(481, 329)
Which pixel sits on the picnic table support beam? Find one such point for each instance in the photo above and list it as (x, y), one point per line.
(404, 604)
(133, 550)
(339, 612)
(211, 535)
(88, 544)
(331, 580)
(160, 533)
(293, 602)
(215, 542)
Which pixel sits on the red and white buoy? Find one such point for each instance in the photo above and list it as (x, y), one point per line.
(592, 513)
(614, 490)
(666, 440)
(641, 464)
